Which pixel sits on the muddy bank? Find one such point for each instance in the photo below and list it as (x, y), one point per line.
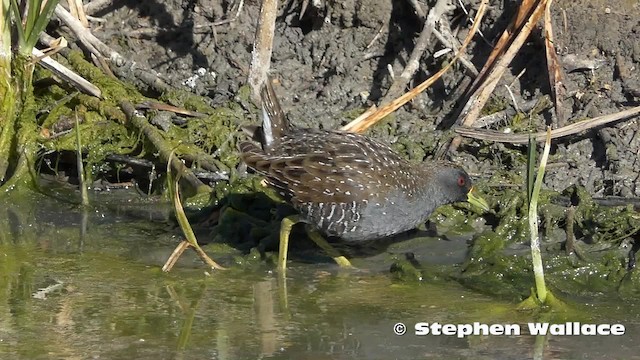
(335, 60)
(338, 59)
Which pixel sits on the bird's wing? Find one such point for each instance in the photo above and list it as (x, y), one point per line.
(325, 166)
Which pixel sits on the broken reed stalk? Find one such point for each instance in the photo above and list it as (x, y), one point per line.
(174, 193)
(538, 269)
(262, 47)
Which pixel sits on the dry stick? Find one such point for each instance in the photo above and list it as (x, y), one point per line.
(501, 46)
(262, 47)
(175, 255)
(153, 105)
(230, 19)
(466, 13)
(154, 136)
(66, 74)
(435, 14)
(93, 44)
(376, 37)
(577, 127)
(507, 47)
(365, 120)
(554, 70)
(497, 67)
(303, 8)
(84, 193)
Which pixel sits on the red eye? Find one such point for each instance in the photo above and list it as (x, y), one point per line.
(461, 181)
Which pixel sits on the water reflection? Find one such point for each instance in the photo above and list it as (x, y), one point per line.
(113, 302)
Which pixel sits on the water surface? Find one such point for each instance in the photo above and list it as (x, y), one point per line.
(106, 298)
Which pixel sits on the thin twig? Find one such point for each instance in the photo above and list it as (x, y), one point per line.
(513, 98)
(123, 67)
(464, 9)
(82, 183)
(231, 19)
(377, 36)
(165, 107)
(447, 39)
(77, 10)
(92, 43)
(577, 127)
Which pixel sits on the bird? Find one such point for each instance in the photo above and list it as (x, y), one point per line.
(346, 185)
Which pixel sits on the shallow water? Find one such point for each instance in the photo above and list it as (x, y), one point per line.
(106, 298)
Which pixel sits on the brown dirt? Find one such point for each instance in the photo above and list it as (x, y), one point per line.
(326, 70)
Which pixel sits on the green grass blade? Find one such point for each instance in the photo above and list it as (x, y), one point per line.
(33, 9)
(37, 18)
(41, 20)
(538, 269)
(531, 167)
(18, 18)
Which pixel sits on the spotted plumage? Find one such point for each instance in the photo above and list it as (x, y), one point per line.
(348, 185)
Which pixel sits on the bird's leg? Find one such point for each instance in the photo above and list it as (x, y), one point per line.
(330, 250)
(285, 230)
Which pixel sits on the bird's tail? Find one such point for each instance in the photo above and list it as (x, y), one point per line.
(274, 122)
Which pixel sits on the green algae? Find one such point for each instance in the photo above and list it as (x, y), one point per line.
(113, 90)
(499, 263)
(404, 270)
(209, 141)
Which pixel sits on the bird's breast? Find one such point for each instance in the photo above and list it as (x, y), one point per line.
(367, 219)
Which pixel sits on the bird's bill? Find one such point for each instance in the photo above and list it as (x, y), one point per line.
(475, 200)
